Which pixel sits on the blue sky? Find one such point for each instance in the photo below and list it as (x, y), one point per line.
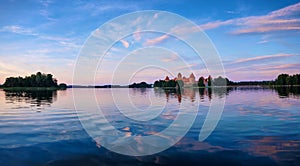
(256, 40)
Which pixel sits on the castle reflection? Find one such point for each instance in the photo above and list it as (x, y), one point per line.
(191, 93)
(221, 92)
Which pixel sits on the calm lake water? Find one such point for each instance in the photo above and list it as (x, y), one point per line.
(258, 126)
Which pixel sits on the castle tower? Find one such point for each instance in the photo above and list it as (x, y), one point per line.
(167, 79)
(192, 78)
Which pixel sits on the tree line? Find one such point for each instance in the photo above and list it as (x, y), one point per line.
(35, 80)
(165, 84)
(282, 79)
(140, 85)
(220, 81)
(285, 79)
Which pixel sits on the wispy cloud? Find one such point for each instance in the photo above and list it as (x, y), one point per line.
(45, 3)
(264, 39)
(283, 67)
(216, 24)
(156, 40)
(284, 19)
(137, 35)
(63, 41)
(100, 7)
(281, 55)
(18, 30)
(45, 12)
(187, 66)
(260, 71)
(124, 43)
(173, 57)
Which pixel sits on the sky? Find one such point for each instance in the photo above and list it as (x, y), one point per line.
(256, 40)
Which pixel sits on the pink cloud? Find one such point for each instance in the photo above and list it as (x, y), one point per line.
(125, 43)
(137, 35)
(216, 24)
(284, 19)
(173, 57)
(282, 67)
(185, 29)
(188, 66)
(156, 40)
(281, 55)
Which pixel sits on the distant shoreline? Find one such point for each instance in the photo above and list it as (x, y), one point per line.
(228, 86)
(32, 88)
(122, 87)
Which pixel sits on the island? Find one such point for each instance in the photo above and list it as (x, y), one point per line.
(38, 81)
(182, 81)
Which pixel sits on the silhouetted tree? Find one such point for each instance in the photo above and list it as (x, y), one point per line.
(201, 82)
(220, 81)
(62, 86)
(35, 80)
(281, 79)
(180, 83)
(209, 80)
(285, 79)
(171, 83)
(140, 85)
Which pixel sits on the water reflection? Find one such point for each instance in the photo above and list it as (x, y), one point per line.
(191, 93)
(36, 98)
(274, 147)
(257, 127)
(286, 91)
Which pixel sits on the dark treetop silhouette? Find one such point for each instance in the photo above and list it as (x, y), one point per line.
(281, 80)
(35, 80)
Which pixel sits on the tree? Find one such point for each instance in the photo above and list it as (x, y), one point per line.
(201, 82)
(282, 79)
(171, 83)
(209, 80)
(220, 81)
(62, 86)
(140, 85)
(180, 83)
(35, 80)
(157, 84)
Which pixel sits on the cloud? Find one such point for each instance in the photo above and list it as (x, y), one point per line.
(285, 19)
(68, 43)
(186, 28)
(45, 3)
(283, 67)
(260, 71)
(187, 66)
(137, 35)
(156, 40)
(280, 55)
(39, 51)
(100, 7)
(173, 57)
(262, 67)
(18, 30)
(216, 24)
(125, 43)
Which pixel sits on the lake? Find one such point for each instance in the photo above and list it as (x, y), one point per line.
(258, 126)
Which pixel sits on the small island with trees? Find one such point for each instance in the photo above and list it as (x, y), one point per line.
(38, 81)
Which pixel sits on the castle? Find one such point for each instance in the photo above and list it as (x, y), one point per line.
(190, 81)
